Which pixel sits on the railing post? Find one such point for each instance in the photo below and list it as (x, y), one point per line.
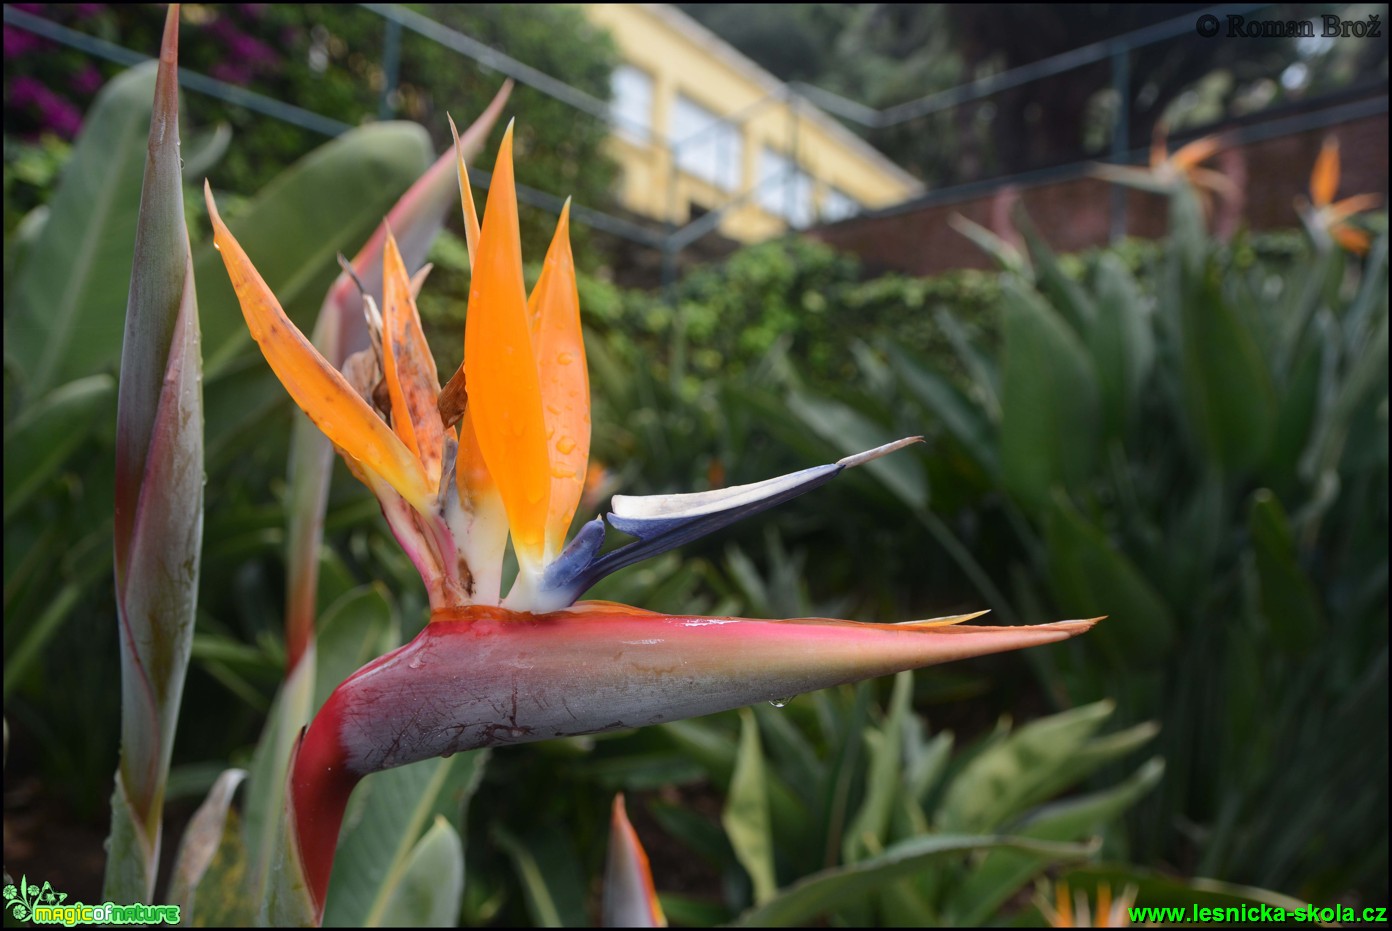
(391, 68)
(1121, 132)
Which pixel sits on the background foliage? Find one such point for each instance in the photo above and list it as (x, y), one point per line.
(1190, 436)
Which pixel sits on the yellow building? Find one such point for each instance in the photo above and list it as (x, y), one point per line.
(699, 127)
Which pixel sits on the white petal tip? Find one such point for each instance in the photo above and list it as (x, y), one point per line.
(1073, 628)
(878, 451)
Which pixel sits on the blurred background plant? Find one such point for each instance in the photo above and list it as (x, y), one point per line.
(1202, 449)
(1189, 435)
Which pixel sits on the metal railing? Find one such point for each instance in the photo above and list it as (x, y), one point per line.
(671, 241)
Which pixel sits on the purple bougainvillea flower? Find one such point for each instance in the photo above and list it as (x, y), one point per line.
(461, 470)
(87, 81)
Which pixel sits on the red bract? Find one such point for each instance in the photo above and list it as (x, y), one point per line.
(502, 454)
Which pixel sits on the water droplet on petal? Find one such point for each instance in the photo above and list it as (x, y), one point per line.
(516, 732)
(564, 358)
(564, 445)
(781, 702)
(416, 662)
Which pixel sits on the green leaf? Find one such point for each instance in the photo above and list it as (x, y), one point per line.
(1299, 406)
(357, 628)
(20, 660)
(828, 889)
(1066, 295)
(1157, 890)
(1019, 771)
(1003, 873)
(287, 902)
(1004, 253)
(746, 814)
(1049, 418)
(326, 203)
(1227, 387)
(389, 814)
(870, 826)
(1092, 576)
(843, 777)
(65, 321)
(547, 865)
(1121, 342)
(961, 417)
(40, 440)
(430, 889)
(1287, 597)
(850, 431)
(130, 852)
(264, 826)
(201, 841)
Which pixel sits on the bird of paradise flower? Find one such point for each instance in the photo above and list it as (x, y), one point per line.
(461, 469)
(1326, 218)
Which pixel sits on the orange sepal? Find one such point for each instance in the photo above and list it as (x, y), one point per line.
(316, 386)
(554, 309)
(466, 194)
(1324, 179)
(1352, 238)
(1192, 153)
(409, 368)
(1351, 205)
(504, 391)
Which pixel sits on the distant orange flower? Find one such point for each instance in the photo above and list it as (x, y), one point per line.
(1183, 165)
(1076, 912)
(1326, 217)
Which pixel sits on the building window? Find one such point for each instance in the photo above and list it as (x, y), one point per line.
(784, 191)
(838, 205)
(706, 147)
(632, 105)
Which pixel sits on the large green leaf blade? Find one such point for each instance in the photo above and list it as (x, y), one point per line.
(264, 826)
(746, 814)
(1049, 400)
(1227, 386)
(388, 816)
(1020, 770)
(41, 439)
(1122, 343)
(870, 826)
(1002, 873)
(65, 322)
(829, 889)
(1091, 574)
(850, 431)
(548, 868)
(1286, 595)
(428, 891)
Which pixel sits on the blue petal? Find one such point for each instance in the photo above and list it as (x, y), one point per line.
(661, 522)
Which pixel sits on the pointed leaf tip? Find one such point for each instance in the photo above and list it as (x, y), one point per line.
(878, 451)
(630, 900)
